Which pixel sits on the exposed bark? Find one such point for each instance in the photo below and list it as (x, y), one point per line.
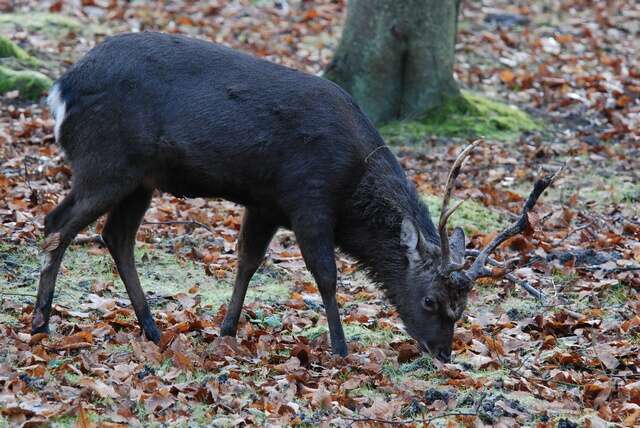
(396, 57)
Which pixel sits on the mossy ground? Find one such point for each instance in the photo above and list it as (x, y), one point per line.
(26, 70)
(470, 115)
(31, 84)
(53, 24)
(161, 275)
(17, 73)
(10, 49)
(357, 332)
(472, 216)
(598, 188)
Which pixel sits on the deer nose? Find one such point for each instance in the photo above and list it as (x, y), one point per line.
(444, 356)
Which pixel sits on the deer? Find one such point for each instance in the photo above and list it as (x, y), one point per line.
(146, 112)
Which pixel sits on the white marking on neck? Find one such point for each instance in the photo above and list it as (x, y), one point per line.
(58, 108)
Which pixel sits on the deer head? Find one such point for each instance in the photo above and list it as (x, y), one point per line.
(440, 282)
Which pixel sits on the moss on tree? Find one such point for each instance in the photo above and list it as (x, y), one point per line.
(469, 115)
(31, 84)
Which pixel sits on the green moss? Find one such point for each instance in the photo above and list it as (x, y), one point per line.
(563, 278)
(161, 274)
(72, 378)
(31, 84)
(470, 115)
(617, 295)
(367, 391)
(72, 421)
(123, 348)
(472, 216)
(371, 336)
(51, 23)
(10, 49)
(358, 332)
(600, 187)
(7, 319)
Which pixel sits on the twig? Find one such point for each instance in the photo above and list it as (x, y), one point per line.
(9, 293)
(526, 286)
(26, 176)
(408, 421)
(509, 276)
(608, 271)
(595, 351)
(174, 222)
(577, 229)
(474, 412)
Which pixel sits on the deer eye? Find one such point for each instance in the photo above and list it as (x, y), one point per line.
(428, 303)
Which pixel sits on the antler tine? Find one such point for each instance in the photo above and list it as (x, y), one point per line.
(445, 212)
(478, 268)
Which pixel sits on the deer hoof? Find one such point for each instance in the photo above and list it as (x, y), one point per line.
(152, 333)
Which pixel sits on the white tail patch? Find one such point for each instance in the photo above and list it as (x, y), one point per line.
(58, 108)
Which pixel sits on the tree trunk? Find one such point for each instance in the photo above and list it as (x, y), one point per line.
(396, 56)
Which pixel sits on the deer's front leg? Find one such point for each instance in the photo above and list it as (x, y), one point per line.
(315, 238)
(255, 234)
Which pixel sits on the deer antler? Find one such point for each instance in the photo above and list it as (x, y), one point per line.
(447, 266)
(478, 269)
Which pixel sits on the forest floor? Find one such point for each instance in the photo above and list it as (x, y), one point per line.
(569, 360)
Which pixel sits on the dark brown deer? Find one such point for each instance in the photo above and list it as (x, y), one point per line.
(151, 111)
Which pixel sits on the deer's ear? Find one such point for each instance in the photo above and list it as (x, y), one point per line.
(457, 245)
(410, 238)
(417, 247)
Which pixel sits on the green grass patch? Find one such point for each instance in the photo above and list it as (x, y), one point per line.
(598, 187)
(367, 391)
(72, 378)
(70, 421)
(161, 274)
(7, 319)
(10, 49)
(472, 216)
(53, 24)
(563, 278)
(617, 295)
(470, 115)
(357, 332)
(31, 84)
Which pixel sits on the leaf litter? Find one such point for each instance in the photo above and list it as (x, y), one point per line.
(570, 360)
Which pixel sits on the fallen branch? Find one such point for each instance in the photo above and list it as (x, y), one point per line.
(526, 286)
(9, 293)
(406, 421)
(474, 412)
(175, 222)
(509, 276)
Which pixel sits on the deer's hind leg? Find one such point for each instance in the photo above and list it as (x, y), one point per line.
(86, 202)
(119, 235)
